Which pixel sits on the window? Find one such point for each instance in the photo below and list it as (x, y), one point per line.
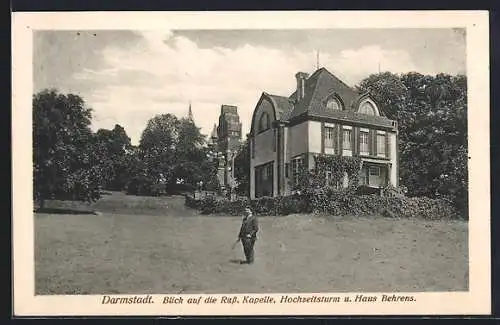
(264, 122)
(333, 104)
(367, 108)
(329, 137)
(267, 172)
(347, 141)
(374, 171)
(296, 165)
(264, 180)
(381, 145)
(363, 179)
(363, 143)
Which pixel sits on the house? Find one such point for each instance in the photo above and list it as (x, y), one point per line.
(225, 142)
(322, 116)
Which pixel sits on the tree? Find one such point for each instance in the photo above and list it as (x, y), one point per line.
(66, 159)
(432, 116)
(114, 145)
(242, 169)
(157, 149)
(190, 154)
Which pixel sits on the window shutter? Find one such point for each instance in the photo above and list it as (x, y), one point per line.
(275, 139)
(338, 139)
(341, 139)
(335, 136)
(375, 138)
(387, 145)
(355, 139)
(370, 142)
(322, 137)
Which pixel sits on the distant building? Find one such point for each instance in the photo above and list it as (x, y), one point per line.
(225, 140)
(323, 116)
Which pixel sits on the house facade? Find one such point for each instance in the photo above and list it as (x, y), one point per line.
(322, 116)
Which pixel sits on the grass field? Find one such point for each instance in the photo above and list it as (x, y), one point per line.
(155, 245)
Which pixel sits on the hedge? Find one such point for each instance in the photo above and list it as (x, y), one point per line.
(332, 203)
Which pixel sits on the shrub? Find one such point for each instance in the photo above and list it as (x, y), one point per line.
(142, 185)
(332, 202)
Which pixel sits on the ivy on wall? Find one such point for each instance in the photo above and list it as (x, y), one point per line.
(336, 167)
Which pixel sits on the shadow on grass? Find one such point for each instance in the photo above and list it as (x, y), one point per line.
(64, 211)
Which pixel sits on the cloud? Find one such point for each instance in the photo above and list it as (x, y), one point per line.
(161, 73)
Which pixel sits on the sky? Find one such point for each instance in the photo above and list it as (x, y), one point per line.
(128, 77)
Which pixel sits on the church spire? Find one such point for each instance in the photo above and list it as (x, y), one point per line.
(190, 113)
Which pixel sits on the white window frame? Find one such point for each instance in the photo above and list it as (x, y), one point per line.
(344, 132)
(329, 134)
(338, 106)
(372, 104)
(296, 164)
(372, 168)
(363, 178)
(361, 151)
(381, 138)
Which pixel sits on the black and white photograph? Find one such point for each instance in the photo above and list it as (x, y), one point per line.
(321, 167)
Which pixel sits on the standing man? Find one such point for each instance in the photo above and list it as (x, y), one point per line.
(248, 234)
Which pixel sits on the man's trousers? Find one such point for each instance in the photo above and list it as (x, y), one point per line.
(248, 244)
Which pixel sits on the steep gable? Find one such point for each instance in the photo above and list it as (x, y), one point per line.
(283, 106)
(318, 87)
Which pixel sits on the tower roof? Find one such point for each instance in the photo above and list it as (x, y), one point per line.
(190, 112)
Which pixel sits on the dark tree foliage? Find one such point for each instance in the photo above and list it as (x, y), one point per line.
(114, 146)
(67, 163)
(171, 157)
(242, 169)
(432, 116)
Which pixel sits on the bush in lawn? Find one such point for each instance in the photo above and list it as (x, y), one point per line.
(336, 203)
(142, 185)
(291, 204)
(191, 202)
(332, 202)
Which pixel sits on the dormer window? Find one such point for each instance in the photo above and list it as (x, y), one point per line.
(264, 122)
(333, 104)
(368, 107)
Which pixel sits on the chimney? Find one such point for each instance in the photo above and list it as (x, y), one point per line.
(301, 81)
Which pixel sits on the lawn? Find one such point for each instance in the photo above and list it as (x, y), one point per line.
(156, 245)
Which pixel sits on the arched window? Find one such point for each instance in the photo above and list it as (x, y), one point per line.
(333, 104)
(368, 108)
(264, 122)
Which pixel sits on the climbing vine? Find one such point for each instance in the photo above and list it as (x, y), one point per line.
(329, 171)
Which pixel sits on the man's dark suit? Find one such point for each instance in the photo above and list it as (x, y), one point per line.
(248, 236)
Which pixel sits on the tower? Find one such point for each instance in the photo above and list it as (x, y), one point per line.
(228, 139)
(229, 130)
(190, 112)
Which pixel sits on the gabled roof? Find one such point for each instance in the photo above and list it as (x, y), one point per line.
(318, 87)
(283, 106)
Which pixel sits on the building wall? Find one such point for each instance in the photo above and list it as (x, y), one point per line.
(306, 138)
(297, 140)
(393, 145)
(264, 146)
(314, 136)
